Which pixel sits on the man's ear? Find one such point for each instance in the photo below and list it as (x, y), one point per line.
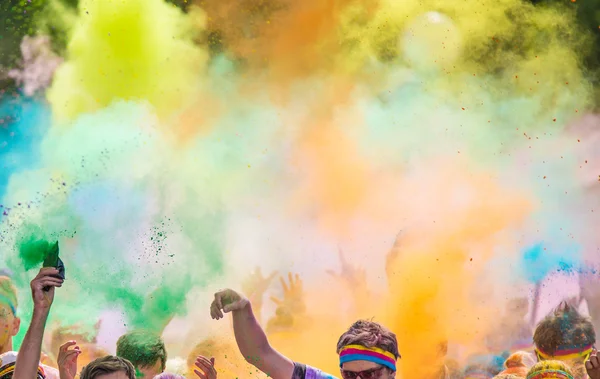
(16, 326)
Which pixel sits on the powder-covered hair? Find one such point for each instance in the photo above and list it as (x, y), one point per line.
(142, 348)
(518, 364)
(564, 328)
(369, 334)
(508, 376)
(107, 365)
(8, 290)
(549, 365)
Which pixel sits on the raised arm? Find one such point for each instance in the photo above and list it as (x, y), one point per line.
(42, 290)
(250, 337)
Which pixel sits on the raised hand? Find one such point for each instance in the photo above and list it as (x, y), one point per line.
(256, 284)
(43, 286)
(206, 368)
(293, 295)
(350, 275)
(592, 365)
(395, 250)
(67, 360)
(392, 255)
(227, 301)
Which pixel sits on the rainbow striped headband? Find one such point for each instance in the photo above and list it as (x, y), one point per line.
(7, 301)
(550, 374)
(353, 353)
(566, 354)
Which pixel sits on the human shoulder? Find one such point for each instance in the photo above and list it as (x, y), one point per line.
(51, 372)
(302, 371)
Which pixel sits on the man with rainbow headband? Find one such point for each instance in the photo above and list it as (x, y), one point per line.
(565, 335)
(367, 350)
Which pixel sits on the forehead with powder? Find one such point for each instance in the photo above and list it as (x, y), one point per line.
(5, 312)
(8, 292)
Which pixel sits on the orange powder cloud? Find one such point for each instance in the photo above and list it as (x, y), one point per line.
(334, 176)
(291, 37)
(460, 218)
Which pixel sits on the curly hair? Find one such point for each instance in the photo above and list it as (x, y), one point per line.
(369, 334)
(107, 365)
(564, 328)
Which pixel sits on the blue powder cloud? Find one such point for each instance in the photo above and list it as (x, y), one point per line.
(541, 259)
(23, 124)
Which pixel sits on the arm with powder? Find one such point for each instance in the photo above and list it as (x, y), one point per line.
(42, 290)
(251, 339)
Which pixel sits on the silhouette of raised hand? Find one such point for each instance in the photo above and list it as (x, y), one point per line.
(350, 275)
(293, 295)
(255, 285)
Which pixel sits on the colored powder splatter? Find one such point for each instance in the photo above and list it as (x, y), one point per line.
(168, 174)
(540, 260)
(134, 50)
(33, 251)
(23, 124)
(435, 278)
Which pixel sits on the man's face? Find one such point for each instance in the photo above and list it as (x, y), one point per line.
(9, 325)
(150, 372)
(113, 375)
(370, 370)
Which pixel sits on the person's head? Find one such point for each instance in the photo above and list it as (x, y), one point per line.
(508, 376)
(109, 367)
(9, 322)
(518, 364)
(368, 349)
(484, 366)
(550, 369)
(478, 371)
(145, 350)
(564, 335)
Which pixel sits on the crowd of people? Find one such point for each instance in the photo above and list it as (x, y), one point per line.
(563, 347)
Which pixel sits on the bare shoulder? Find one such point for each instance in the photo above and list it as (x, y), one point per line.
(51, 372)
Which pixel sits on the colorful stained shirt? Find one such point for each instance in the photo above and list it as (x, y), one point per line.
(7, 367)
(302, 371)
